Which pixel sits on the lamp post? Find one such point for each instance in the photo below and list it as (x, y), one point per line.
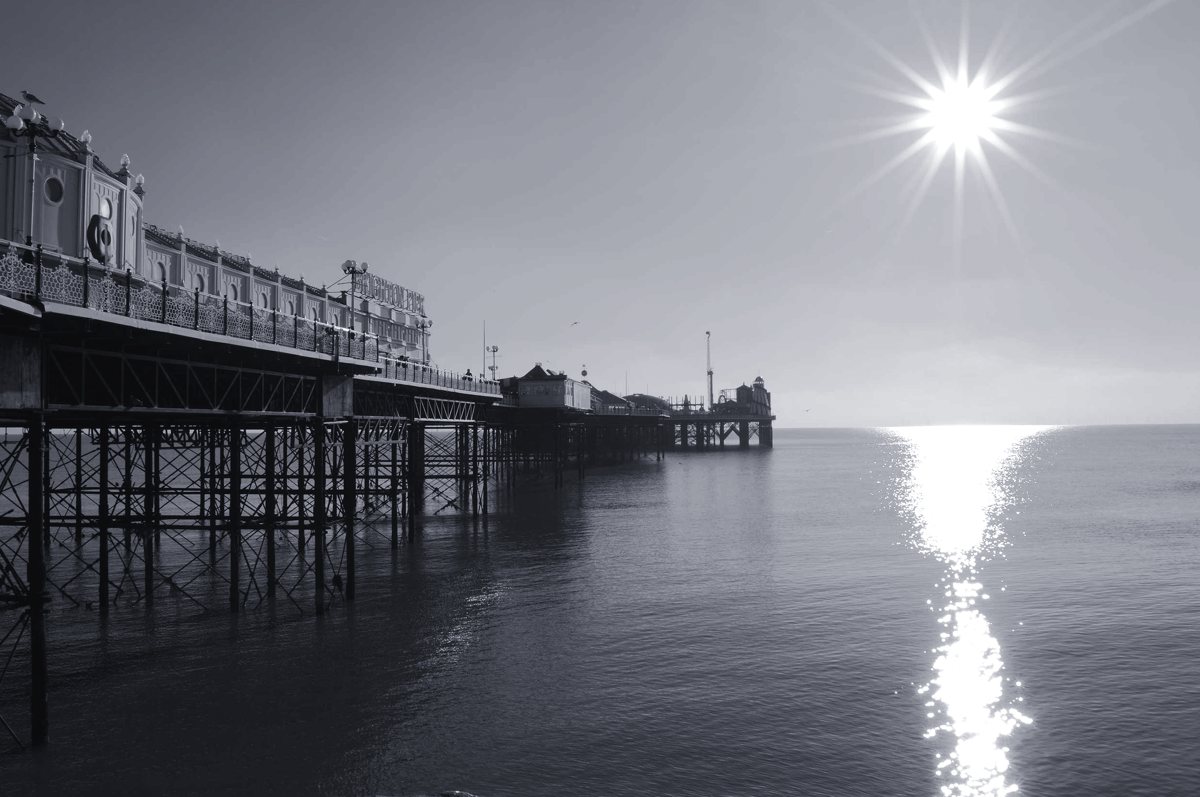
(424, 324)
(31, 124)
(353, 269)
(492, 350)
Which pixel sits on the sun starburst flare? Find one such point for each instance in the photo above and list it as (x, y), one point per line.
(968, 113)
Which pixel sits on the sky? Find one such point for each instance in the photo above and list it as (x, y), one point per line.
(654, 170)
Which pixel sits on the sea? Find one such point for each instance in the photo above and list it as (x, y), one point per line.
(927, 611)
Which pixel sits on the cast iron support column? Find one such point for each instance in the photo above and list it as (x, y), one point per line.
(474, 429)
(79, 480)
(46, 486)
(235, 516)
(743, 434)
(148, 514)
(395, 488)
(349, 497)
(105, 520)
(36, 579)
(318, 530)
(212, 492)
(271, 510)
(156, 485)
(301, 506)
(488, 445)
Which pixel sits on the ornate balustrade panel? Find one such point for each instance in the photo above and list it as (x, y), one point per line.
(105, 295)
(61, 285)
(146, 304)
(181, 311)
(262, 325)
(211, 315)
(239, 321)
(305, 335)
(16, 277)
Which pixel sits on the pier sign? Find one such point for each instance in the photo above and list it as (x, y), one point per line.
(375, 287)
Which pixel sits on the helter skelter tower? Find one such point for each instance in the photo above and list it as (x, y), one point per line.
(708, 349)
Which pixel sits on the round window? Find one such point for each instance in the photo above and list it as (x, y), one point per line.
(54, 190)
(105, 209)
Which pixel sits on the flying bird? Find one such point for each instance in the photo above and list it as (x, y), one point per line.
(573, 324)
(31, 98)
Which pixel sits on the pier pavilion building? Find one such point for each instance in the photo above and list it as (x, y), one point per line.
(64, 199)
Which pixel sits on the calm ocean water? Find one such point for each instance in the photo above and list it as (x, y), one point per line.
(809, 620)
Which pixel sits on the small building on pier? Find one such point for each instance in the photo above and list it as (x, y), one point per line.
(544, 388)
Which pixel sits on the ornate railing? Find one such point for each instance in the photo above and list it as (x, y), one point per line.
(403, 370)
(612, 409)
(25, 275)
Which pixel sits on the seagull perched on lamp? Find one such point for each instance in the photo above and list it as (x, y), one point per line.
(31, 98)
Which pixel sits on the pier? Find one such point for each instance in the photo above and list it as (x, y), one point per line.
(190, 419)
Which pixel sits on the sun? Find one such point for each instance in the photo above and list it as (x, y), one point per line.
(961, 113)
(962, 117)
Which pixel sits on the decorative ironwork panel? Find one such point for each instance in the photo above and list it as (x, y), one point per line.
(263, 330)
(212, 315)
(16, 277)
(304, 334)
(146, 304)
(181, 311)
(239, 321)
(62, 286)
(105, 296)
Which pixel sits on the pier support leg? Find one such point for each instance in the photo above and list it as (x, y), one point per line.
(395, 488)
(301, 503)
(235, 517)
(36, 579)
(78, 487)
(350, 497)
(148, 518)
(105, 519)
(271, 510)
(416, 475)
(128, 494)
(212, 492)
(319, 512)
(474, 430)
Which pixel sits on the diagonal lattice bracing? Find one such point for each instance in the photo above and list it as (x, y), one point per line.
(220, 514)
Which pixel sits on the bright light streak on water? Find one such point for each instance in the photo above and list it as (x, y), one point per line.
(955, 499)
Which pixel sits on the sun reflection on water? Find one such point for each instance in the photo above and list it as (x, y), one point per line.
(955, 495)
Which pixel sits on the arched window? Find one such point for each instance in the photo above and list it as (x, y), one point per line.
(313, 314)
(291, 307)
(160, 272)
(231, 291)
(198, 282)
(263, 300)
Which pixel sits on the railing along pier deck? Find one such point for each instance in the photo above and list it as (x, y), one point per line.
(165, 447)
